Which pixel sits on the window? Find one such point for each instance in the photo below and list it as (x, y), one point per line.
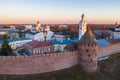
(91, 60)
(80, 59)
(48, 49)
(92, 45)
(89, 55)
(88, 45)
(81, 54)
(87, 50)
(84, 44)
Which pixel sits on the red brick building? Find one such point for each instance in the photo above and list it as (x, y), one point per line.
(39, 47)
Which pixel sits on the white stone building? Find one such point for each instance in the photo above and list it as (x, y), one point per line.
(115, 33)
(82, 26)
(59, 37)
(16, 43)
(35, 36)
(40, 35)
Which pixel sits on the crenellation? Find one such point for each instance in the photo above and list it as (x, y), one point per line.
(8, 57)
(1, 57)
(4, 57)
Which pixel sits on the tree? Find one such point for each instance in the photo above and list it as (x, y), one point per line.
(6, 49)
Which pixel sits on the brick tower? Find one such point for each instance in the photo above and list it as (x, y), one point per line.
(88, 49)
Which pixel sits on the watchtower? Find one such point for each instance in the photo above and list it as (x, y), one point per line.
(88, 49)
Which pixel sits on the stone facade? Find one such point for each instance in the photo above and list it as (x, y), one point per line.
(88, 56)
(108, 50)
(39, 47)
(88, 49)
(41, 63)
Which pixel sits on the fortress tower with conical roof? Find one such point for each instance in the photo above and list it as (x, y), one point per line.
(88, 49)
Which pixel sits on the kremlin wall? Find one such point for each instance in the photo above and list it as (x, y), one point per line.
(41, 63)
(108, 50)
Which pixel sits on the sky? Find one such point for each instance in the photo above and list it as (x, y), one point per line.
(59, 11)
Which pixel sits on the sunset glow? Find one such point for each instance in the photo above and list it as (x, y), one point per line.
(59, 11)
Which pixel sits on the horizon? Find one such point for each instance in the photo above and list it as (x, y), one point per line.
(59, 12)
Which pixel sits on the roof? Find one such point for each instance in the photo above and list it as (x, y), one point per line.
(88, 38)
(55, 42)
(75, 40)
(70, 47)
(33, 33)
(62, 33)
(114, 30)
(103, 42)
(17, 39)
(36, 44)
(66, 42)
(62, 42)
(15, 31)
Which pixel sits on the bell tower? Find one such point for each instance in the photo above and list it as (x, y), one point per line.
(82, 26)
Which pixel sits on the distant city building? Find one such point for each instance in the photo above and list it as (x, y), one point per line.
(115, 33)
(63, 25)
(14, 33)
(28, 27)
(39, 47)
(12, 27)
(47, 28)
(82, 26)
(15, 43)
(39, 36)
(49, 34)
(59, 46)
(38, 33)
(117, 28)
(59, 37)
(2, 33)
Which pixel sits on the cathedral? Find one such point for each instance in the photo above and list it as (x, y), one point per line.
(40, 33)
